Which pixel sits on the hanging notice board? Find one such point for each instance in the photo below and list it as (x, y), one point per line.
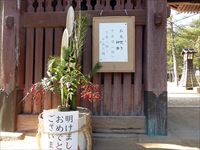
(114, 43)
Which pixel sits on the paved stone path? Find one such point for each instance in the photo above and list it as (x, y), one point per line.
(183, 129)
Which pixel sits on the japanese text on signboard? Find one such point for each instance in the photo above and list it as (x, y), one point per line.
(63, 125)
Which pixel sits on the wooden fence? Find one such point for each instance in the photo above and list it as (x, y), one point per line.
(41, 29)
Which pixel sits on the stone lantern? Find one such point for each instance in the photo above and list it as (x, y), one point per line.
(188, 78)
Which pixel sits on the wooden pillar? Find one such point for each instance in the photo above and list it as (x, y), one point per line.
(8, 61)
(155, 72)
(1, 11)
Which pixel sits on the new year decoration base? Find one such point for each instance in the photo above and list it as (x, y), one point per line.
(55, 131)
(68, 126)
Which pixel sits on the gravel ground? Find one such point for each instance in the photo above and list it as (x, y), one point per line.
(180, 97)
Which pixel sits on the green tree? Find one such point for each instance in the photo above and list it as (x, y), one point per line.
(184, 37)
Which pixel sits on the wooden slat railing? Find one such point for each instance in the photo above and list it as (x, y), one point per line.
(38, 60)
(47, 53)
(29, 62)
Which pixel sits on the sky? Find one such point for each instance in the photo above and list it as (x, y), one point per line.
(178, 17)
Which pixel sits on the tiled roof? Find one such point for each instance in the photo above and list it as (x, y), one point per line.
(186, 50)
(186, 7)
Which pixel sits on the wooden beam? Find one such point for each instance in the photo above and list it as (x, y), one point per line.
(155, 74)
(1, 10)
(183, 1)
(27, 122)
(117, 124)
(8, 62)
(47, 19)
(21, 44)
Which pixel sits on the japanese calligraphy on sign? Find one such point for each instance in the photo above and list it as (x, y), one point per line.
(113, 41)
(62, 125)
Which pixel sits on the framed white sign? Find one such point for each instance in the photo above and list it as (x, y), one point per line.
(114, 43)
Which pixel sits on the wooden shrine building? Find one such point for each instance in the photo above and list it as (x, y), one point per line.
(131, 101)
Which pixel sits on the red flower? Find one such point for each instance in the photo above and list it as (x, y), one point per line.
(33, 88)
(37, 92)
(90, 92)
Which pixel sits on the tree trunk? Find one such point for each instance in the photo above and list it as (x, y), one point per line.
(174, 54)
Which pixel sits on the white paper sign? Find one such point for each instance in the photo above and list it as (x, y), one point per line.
(113, 42)
(60, 122)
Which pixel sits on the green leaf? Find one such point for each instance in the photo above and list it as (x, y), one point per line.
(96, 68)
